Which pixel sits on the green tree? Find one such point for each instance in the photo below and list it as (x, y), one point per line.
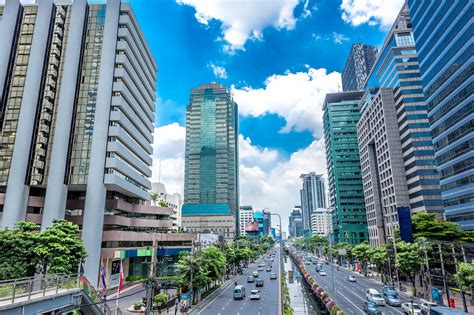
(379, 257)
(162, 203)
(18, 260)
(160, 300)
(465, 276)
(408, 259)
(214, 261)
(154, 197)
(59, 249)
(362, 253)
(429, 226)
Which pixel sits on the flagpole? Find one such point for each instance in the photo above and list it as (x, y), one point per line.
(119, 288)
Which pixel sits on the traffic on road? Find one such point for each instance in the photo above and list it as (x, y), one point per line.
(255, 292)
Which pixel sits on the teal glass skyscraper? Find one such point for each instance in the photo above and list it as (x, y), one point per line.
(346, 193)
(211, 163)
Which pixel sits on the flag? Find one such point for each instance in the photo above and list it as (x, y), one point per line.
(120, 278)
(104, 285)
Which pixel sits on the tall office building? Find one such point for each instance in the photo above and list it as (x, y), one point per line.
(295, 226)
(346, 193)
(267, 221)
(320, 222)
(357, 68)
(313, 196)
(443, 34)
(211, 163)
(245, 217)
(396, 148)
(78, 86)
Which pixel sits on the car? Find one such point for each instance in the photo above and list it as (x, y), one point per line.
(255, 274)
(351, 279)
(315, 262)
(374, 296)
(389, 289)
(308, 262)
(250, 279)
(261, 265)
(426, 307)
(254, 295)
(269, 268)
(322, 273)
(239, 292)
(273, 276)
(411, 308)
(261, 268)
(372, 308)
(259, 283)
(391, 299)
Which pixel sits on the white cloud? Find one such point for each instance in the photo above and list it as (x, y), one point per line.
(168, 156)
(278, 188)
(265, 181)
(339, 38)
(372, 12)
(219, 72)
(297, 97)
(243, 20)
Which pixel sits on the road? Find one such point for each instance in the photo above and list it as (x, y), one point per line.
(224, 303)
(350, 296)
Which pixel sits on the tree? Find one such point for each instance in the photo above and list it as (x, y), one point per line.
(408, 259)
(362, 253)
(59, 249)
(18, 260)
(429, 226)
(154, 197)
(379, 257)
(465, 276)
(163, 203)
(215, 262)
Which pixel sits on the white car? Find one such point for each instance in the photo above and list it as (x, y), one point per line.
(411, 308)
(255, 295)
(351, 279)
(322, 273)
(374, 296)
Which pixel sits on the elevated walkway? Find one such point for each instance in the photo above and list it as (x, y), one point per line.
(51, 294)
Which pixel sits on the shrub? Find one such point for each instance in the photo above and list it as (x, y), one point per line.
(137, 305)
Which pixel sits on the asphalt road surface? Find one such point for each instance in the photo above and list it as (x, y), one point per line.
(224, 303)
(350, 296)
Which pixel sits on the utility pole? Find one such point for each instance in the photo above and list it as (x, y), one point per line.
(446, 288)
(460, 286)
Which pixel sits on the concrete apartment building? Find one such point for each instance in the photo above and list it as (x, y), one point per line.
(245, 217)
(78, 85)
(396, 148)
(174, 201)
(320, 222)
(295, 222)
(313, 196)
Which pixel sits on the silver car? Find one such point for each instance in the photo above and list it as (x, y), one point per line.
(391, 299)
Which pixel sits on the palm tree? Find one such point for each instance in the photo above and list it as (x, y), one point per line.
(154, 197)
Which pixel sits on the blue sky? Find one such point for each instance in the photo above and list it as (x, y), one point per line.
(278, 57)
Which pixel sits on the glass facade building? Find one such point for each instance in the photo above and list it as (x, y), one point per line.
(77, 93)
(358, 65)
(394, 120)
(313, 196)
(443, 36)
(211, 162)
(346, 194)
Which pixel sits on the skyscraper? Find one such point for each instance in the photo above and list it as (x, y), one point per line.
(77, 97)
(267, 221)
(295, 226)
(357, 68)
(346, 193)
(211, 163)
(313, 196)
(443, 34)
(397, 154)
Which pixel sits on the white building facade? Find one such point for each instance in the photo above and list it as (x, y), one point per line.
(174, 201)
(320, 222)
(245, 217)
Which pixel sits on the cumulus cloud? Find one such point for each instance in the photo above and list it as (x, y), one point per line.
(242, 21)
(339, 38)
(296, 97)
(278, 188)
(219, 72)
(265, 180)
(372, 12)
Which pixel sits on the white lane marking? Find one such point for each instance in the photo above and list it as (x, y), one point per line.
(351, 302)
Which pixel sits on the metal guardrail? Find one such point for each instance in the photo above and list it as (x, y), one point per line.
(36, 286)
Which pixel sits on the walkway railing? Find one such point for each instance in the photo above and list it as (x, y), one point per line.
(24, 289)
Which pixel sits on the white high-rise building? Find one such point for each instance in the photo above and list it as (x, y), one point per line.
(174, 201)
(245, 217)
(313, 196)
(320, 222)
